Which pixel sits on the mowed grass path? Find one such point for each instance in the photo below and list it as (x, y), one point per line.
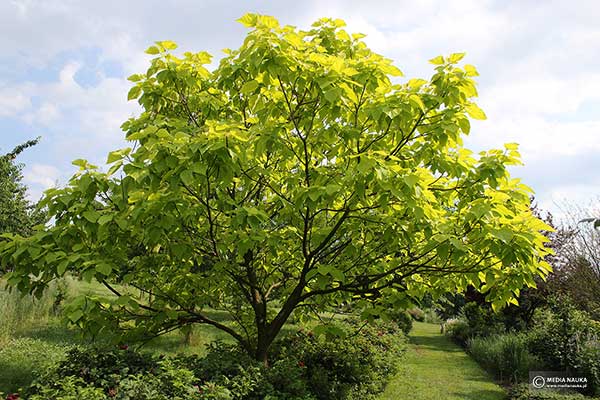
(435, 368)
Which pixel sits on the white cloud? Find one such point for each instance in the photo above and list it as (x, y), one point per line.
(13, 100)
(40, 177)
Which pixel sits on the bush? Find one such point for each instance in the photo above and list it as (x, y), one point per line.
(523, 392)
(505, 355)
(565, 338)
(482, 320)
(403, 320)
(69, 388)
(353, 364)
(417, 314)
(119, 374)
(458, 330)
(356, 364)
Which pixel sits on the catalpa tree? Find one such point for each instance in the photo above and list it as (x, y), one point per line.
(298, 176)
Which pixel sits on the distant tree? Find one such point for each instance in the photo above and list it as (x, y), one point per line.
(577, 262)
(17, 214)
(296, 177)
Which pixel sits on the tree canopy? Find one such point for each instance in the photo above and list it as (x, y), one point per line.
(17, 214)
(302, 174)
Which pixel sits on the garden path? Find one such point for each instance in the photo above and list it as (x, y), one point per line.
(437, 369)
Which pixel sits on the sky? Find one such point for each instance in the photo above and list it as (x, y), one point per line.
(64, 66)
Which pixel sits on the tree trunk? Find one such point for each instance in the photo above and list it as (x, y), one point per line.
(262, 354)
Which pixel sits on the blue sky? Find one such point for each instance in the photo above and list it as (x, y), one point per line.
(64, 64)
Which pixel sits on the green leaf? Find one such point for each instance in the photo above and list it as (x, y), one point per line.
(475, 112)
(416, 100)
(324, 269)
(62, 267)
(439, 60)
(504, 234)
(187, 177)
(153, 50)
(456, 57)
(471, 70)
(104, 268)
(249, 87)
(391, 70)
(75, 316)
(81, 163)
(104, 219)
(117, 155)
(115, 167)
(91, 215)
(134, 92)
(248, 20)
(167, 45)
(411, 180)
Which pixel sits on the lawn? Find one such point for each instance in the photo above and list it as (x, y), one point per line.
(435, 368)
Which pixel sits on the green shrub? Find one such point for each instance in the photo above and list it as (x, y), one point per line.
(565, 338)
(417, 314)
(458, 330)
(505, 355)
(69, 388)
(355, 364)
(523, 392)
(403, 319)
(117, 374)
(105, 367)
(482, 320)
(351, 366)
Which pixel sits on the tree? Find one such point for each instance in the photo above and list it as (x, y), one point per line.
(17, 214)
(577, 264)
(294, 178)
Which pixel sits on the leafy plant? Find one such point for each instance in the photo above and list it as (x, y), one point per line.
(296, 177)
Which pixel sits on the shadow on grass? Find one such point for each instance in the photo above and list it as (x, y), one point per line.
(439, 343)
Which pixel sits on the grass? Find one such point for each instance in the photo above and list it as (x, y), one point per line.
(435, 368)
